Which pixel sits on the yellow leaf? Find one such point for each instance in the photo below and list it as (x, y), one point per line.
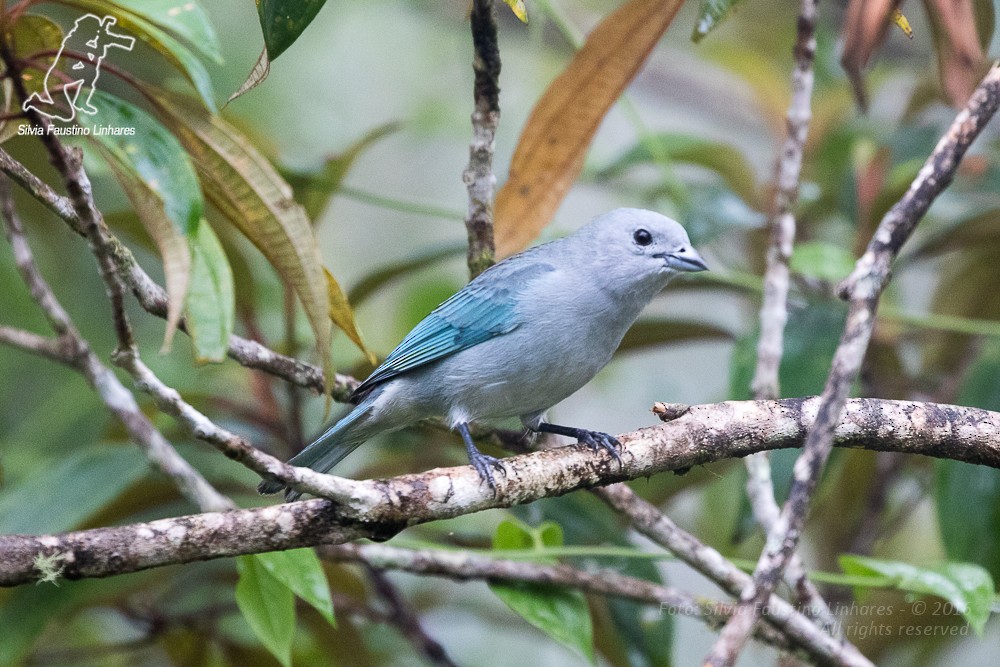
(517, 6)
(904, 25)
(342, 315)
(554, 141)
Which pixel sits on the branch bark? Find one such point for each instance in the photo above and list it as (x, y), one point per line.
(478, 176)
(862, 289)
(379, 509)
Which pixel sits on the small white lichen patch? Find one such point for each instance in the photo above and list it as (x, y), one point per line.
(49, 568)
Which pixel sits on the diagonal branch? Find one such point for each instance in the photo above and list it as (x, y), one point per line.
(862, 289)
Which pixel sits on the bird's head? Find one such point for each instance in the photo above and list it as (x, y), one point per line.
(642, 244)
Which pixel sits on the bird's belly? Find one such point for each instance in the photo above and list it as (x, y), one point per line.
(507, 378)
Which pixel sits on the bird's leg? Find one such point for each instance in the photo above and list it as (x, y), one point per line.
(593, 439)
(481, 462)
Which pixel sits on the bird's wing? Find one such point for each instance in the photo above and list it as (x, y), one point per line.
(483, 309)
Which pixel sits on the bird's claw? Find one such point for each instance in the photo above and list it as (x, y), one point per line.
(597, 441)
(482, 463)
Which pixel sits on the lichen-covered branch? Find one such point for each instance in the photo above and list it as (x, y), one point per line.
(478, 176)
(381, 508)
(862, 289)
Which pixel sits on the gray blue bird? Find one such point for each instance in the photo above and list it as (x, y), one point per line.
(519, 338)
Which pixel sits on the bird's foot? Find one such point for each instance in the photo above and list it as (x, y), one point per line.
(483, 464)
(596, 441)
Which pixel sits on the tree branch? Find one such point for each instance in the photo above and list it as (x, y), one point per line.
(381, 508)
(478, 176)
(862, 288)
(774, 305)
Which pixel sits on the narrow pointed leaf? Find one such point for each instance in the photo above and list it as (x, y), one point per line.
(29, 35)
(378, 278)
(648, 332)
(711, 13)
(282, 21)
(301, 571)
(261, 70)
(342, 315)
(268, 606)
(968, 587)
(179, 55)
(250, 193)
(520, 11)
(551, 150)
(211, 303)
(159, 180)
(186, 19)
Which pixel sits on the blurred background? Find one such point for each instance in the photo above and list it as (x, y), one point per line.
(393, 236)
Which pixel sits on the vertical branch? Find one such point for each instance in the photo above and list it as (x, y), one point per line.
(862, 289)
(478, 176)
(774, 306)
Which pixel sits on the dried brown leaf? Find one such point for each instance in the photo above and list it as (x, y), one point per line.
(960, 55)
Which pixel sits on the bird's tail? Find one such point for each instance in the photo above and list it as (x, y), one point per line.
(328, 449)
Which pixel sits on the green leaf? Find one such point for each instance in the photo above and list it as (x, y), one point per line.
(561, 613)
(314, 189)
(301, 571)
(662, 331)
(968, 587)
(184, 18)
(710, 14)
(159, 40)
(721, 158)
(156, 174)
(210, 306)
(268, 607)
(973, 536)
(247, 190)
(823, 261)
(375, 280)
(63, 496)
(282, 21)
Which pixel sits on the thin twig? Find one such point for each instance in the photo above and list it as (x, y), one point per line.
(774, 305)
(478, 176)
(76, 352)
(403, 618)
(862, 289)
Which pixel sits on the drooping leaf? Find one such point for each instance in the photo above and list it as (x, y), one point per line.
(64, 495)
(301, 571)
(903, 23)
(551, 150)
(314, 189)
(179, 55)
(969, 588)
(662, 331)
(30, 35)
(561, 613)
(268, 606)
(973, 536)
(721, 158)
(711, 13)
(186, 19)
(247, 190)
(156, 174)
(968, 233)
(342, 315)
(211, 301)
(260, 71)
(960, 54)
(863, 30)
(282, 21)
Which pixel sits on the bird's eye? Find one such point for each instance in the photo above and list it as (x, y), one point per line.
(642, 237)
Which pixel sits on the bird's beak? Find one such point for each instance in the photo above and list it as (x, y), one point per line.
(686, 260)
